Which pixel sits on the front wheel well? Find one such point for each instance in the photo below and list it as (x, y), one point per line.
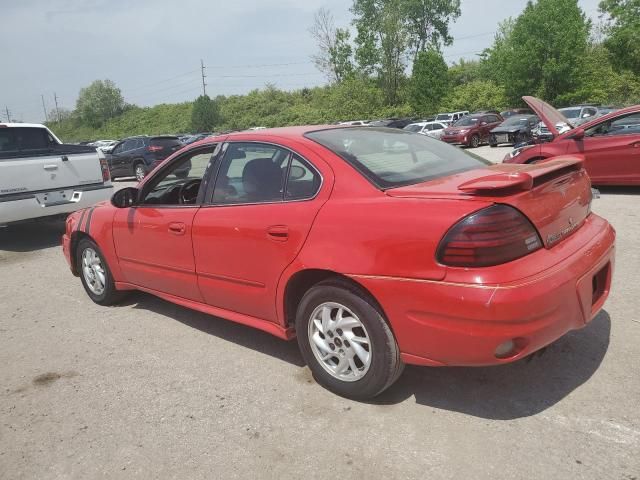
(75, 240)
(301, 282)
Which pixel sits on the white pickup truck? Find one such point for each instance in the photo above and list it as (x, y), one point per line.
(40, 176)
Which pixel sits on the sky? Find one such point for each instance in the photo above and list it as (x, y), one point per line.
(152, 49)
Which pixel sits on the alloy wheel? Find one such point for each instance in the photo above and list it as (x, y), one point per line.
(340, 342)
(140, 173)
(93, 271)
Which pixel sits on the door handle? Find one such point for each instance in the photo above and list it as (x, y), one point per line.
(51, 167)
(279, 233)
(177, 228)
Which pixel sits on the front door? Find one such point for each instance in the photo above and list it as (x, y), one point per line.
(262, 208)
(153, 238)
(612, 150)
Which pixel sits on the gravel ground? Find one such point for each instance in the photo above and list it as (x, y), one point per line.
(153, 390)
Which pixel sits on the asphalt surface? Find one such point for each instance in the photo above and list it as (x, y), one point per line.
(152, 390)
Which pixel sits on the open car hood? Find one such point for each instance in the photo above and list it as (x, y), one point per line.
(547, 114)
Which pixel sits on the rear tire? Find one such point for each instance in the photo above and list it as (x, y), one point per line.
(492, 141)
(346, 341)
(95, 274)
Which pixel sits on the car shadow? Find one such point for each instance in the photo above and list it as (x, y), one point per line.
(33, 235)
(505, 392)
(241, 335)
(611, 190)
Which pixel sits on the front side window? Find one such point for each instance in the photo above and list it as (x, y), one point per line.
(393, 158)
(181, 183)
(624, 125)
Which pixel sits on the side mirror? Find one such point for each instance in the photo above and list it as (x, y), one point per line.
(578, 134)
(127, 197)
(586, 115)
(296, 172)
(483, 123)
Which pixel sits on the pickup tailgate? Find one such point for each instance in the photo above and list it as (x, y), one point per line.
(60, 167)
(555, 195)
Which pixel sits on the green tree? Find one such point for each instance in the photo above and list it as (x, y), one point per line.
(623, 31)
(464, 71)
(429, 81)
(543, 53)
(205, 115)
(474, 96)
(99, 102)
(334, 57)
(389, 31)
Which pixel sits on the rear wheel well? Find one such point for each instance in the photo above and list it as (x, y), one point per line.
(301, 282)
(536, 159)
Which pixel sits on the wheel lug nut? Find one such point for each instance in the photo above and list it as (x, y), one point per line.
(347, 344)
(332, 346)
(330, 333)
(339, 331)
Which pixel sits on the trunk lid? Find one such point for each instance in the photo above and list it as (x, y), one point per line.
(554, 195)
(552, 118)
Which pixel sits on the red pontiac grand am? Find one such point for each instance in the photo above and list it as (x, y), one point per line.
(374, 247)
(609, 144)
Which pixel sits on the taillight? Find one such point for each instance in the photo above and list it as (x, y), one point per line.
(491, 236)
(104, 166)
(154, 148)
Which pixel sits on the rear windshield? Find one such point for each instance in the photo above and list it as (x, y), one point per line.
(413, 128)
(444, 116)
(165, 141)
(516, 120)
(20, 139)
(393, 158)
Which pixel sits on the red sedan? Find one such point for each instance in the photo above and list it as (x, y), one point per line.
(375, 247)
(610, 144)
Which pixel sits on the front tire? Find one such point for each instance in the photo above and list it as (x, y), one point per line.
(139, 171)
(346, 341)
(95, 274)
(475, 141)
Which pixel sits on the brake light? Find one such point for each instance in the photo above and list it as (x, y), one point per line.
(491, 236)
(104, 166)
(154, 148)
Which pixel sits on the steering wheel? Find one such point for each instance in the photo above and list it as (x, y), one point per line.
(188, 191)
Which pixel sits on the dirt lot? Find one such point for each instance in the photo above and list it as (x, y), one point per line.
(152, 390)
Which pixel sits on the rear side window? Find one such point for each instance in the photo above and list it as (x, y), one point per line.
(393, 158)
(302, 181)
(21, 139)
(165, 141)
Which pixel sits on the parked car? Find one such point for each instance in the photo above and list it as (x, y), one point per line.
(432, 129)
(609, 144)
(471, 130)
(392, 122)
(475, 265)
(516, 111)
(136, 156)
(40, 176)
(579, 114)
(107, 146)
(515, 129)
(450, 118)
(354, 122)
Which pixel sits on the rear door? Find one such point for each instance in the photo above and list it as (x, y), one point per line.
(263, 205)
(31, 159)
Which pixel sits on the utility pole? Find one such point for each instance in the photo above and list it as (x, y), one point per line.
(204, 85)
(44, 108)
(6, 109)
(55, 99)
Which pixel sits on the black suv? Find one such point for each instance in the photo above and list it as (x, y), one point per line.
(137, 156)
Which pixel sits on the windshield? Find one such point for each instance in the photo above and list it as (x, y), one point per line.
(413, 127)
(513, 121)
(570, 112)
(393, 158)
(444, 116)
(467, 122)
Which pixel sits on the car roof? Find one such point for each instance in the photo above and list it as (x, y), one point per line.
(23, 125)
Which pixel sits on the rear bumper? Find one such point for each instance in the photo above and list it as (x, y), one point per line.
(28, 206)
(440, 323)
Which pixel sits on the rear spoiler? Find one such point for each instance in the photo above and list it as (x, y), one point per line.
(524, 177)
